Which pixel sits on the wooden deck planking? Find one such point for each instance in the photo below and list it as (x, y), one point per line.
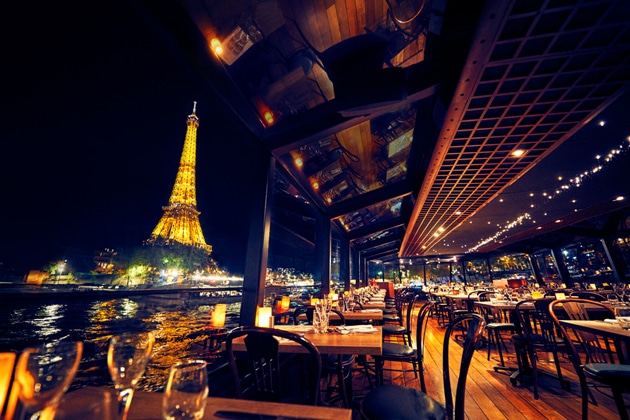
(490, 394)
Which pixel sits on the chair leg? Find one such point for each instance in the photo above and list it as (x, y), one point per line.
(499, 341)
(621, 406)
(532, 360)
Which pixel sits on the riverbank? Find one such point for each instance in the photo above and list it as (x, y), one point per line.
(11, 293)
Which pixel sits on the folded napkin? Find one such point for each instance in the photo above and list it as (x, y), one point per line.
(370, 310)
(360, 328)
(611, 321)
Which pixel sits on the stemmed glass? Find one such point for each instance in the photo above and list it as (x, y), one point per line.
(186, 391)
(127, 359)
(44, 373)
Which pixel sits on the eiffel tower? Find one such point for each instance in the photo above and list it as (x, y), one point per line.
(180, 222)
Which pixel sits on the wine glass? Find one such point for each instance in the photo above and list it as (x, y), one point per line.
(44, 373)
(186, 391)
(127, 359)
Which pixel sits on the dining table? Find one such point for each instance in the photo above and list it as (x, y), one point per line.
(607, 328)
(374, 315)
(360, 340)
(97, 403)
(374, 304)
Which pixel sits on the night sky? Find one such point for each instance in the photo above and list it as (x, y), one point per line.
(94, 109)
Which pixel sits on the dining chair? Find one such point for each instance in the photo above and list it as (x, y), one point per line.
(398, 352)
(387, 402)
(585, 294)
(536, 333)
(598, 367)
(495, 327)
(400, 328)
(263, 373)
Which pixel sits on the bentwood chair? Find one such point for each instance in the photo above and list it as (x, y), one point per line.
(388, 402)
(400, 329)
(537, 334)
(333, 365)
(598, 368)
(263, 373)
(495, 326)
(585, 294)
(397, 352)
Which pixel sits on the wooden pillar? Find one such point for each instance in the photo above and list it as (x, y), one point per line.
(258, 241)
(344, 263)
(322, 251)
(355, 271)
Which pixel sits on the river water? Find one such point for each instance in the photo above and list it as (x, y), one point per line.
(179, 320)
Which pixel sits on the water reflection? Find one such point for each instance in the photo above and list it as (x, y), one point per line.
(180, 322)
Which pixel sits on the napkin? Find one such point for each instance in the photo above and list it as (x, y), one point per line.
(611, 321)
(360, 328)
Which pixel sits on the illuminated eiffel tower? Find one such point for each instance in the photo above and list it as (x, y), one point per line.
(180, 221)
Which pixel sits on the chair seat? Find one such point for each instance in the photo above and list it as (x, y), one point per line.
(397, 350)
(391, 402)
(609, 372)
(391, 318)
(503, 326)
(393, 329)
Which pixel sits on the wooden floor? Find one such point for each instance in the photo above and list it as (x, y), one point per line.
(490, 394)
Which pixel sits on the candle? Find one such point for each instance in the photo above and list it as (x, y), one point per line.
(264, 317)
(218, 315)
(286, 303)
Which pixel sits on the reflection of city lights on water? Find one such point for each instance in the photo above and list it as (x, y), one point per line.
(46, 319)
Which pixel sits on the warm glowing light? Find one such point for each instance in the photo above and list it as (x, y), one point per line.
(620, 198)
(315, 185)
(518, 153)
(218, 315)
(215, 44)
(286, 303)
(264, 317)
(559, 221)
(602, 123)
(299, 162)
(7, 361)
(269, 117)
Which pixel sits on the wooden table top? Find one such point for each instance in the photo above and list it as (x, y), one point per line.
(374, 305)
(89, 403)
(330, 343)
(604, 328)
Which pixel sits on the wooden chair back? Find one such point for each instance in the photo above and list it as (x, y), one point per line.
(473, 325)
(259, 373)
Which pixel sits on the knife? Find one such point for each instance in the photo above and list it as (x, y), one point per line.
(241, 415)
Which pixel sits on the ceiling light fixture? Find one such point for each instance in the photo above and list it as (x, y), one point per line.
(518, 153)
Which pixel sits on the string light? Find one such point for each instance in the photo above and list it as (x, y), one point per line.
(502, 231)
(574, 182)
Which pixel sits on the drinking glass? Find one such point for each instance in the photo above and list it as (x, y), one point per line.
(622, 314)
(44, 373)
(186, 391)
(321, 314)
(127, 359)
